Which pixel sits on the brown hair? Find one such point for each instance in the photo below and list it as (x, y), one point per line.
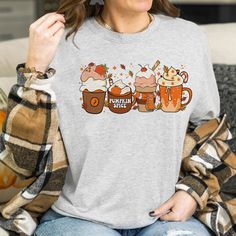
(76, 11)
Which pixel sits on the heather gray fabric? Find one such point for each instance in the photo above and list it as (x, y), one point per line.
(124, 161)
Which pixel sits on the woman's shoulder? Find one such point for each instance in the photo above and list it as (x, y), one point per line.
(176, 21)
(187, 30)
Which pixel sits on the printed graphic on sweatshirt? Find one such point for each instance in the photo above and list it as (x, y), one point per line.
(120, 89)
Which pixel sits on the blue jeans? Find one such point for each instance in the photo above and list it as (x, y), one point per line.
(54, 224)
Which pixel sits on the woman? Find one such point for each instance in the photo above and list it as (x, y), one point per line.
(126, 85)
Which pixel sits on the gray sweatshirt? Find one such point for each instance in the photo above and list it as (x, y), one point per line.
(124, 104)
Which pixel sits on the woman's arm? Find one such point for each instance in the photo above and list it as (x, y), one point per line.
(208, 104)
(194, 191)
(209, 175)
(207, 108)
(31, 143)
(31, 146)
(32, 121)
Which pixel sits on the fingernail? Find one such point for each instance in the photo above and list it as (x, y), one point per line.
(151, 213)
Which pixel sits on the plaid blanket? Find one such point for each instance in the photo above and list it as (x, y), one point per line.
(32, 146)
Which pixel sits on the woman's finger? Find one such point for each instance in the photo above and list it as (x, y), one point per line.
(169, 216)
(54, 28)
(48, 22)
(42, 19)
(59, 34)
(164, 208)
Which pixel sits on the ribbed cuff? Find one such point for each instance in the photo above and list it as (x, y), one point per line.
(26, 78)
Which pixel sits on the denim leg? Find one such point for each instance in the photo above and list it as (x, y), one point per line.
(55, 224)
(50, 215)
(191, 227)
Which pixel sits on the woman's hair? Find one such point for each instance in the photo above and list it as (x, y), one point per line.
(76, 11)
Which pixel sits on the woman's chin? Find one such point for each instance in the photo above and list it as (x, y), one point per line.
(144, 3)
(139, 5)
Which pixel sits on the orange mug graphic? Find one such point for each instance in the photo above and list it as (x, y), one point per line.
(120, 97)
(171, 90)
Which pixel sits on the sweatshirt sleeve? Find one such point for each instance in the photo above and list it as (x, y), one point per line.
(208, 104)
(207, 108)
(32, 81)
(31, 146)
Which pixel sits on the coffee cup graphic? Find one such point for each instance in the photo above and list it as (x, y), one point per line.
(120, 97)
(172, 91)
(145, 88)
(93, 102)
(94, 88)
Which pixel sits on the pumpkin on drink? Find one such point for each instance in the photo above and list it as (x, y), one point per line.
(120, 97)
(171, 90)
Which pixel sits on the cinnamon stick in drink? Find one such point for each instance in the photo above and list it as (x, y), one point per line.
(157, 63)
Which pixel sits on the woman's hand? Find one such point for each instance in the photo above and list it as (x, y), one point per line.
(44, 37)
(181, 207)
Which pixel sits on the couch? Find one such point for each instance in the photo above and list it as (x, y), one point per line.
(223, 52)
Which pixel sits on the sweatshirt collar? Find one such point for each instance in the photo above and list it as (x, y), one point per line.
(105, 33)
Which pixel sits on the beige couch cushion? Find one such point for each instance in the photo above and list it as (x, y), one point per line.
(6, 83)
(3, 232)
(12, 53)
(222, 39)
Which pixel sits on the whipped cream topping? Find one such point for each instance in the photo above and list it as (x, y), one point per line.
(145, 77)
(148, 73)
(119, 83)
(170, 79)
(92, 84)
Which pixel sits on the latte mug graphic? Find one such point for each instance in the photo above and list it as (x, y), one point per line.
(172, 91)
(120, 97)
